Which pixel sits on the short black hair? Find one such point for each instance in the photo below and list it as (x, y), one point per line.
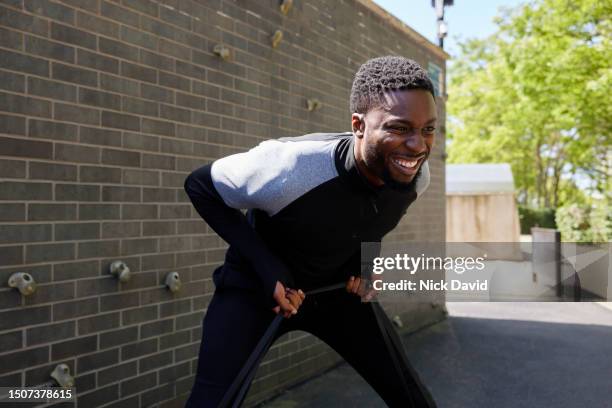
(379, 75)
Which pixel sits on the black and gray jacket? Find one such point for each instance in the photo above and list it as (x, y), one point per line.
(309, 209)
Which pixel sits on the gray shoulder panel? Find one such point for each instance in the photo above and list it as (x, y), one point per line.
(273, 174)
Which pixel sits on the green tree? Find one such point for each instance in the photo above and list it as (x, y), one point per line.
(536, 94)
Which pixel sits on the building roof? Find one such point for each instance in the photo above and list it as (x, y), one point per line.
(479, 178)
(400, 25)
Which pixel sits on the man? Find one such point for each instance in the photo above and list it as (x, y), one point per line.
(311, 201)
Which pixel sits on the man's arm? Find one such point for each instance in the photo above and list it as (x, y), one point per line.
(233, 227)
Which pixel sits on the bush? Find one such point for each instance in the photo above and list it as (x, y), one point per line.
(583, 223)
(536, 217)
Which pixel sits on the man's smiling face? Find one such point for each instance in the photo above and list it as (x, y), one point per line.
(393, 141)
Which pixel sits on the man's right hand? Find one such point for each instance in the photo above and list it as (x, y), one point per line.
(288, 300)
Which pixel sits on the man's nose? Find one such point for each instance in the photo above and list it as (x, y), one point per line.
(416, 142)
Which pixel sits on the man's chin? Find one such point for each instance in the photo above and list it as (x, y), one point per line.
(402, 185)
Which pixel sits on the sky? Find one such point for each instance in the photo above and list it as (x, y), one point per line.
(465, 19)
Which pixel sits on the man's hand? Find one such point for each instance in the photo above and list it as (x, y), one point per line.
(358, 286)
(289, 300)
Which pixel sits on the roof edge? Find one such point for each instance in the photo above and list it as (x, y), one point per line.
(400, 25)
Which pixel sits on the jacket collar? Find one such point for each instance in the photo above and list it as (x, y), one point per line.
(347, 165)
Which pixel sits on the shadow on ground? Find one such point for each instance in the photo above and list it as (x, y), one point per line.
(492, 355)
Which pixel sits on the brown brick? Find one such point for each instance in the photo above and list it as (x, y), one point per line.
(49, 252)
(100, 99)
(112, 374)
(139, 315)
(49, 9)
(52, 171)
(175, 114)
(155, 361)
(138, 246)
(158, 161)
(139, 211)
(11, 39)
(12, 212)
(140, 141)
(100, 174)
(77, 231)
(158, 228)
(91, 5)
(73, 74)
(12, 234)
(95, 249)
(122, 194)
(119, 85)
(77, 192)
(52, 130)
(97, 360)
(174, 81)
(12, 82)
(49, 49)
(100, 396)
(105, 284)
(11, 255)
(24, 105)
(138, 72)
(120, 121)
(11, 341)
(24, 22)
(125, 229)
(24, 317)
(24, 359)
(141, 177)
(138, 38)
(97, 25)
(52, 332)
(10, 124)
(98, 323)
(73, 36)
(157, 93)
(13, 190)
(140, 107)
(75, 270)
(48, 293)
(99, 136)
(121, 157)
(138, 384)
(123, 15)
(138, 349)
(12, 168)
(98, 211)
(75, 308)
(25, 148)
(117, 337)
(76, 153)
(51, 212)
(78, 114)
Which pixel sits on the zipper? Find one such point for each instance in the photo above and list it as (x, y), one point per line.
(373, 202)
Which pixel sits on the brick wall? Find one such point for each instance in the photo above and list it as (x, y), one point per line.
(105, 107)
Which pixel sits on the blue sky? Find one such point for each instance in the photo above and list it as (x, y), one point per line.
(465, 19)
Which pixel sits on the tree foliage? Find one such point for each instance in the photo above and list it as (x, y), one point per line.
(537, 94)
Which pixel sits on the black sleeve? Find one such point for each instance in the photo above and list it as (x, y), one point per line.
(233, 227)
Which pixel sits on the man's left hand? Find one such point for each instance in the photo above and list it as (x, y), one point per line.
(359, 287)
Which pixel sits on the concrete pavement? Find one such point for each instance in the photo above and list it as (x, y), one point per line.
(492, 355)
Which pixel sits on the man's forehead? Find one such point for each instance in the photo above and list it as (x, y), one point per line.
(402, 104)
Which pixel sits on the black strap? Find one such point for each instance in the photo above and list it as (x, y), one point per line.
(236, 393)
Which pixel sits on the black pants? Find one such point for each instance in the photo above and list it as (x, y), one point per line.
(236, 319)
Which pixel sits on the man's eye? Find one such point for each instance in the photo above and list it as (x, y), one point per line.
(429, 129)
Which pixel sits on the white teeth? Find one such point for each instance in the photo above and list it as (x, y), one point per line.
(406, 163)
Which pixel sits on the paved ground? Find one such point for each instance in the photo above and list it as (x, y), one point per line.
(493, 355)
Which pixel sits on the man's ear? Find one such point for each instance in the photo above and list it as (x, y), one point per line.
(358, 124)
